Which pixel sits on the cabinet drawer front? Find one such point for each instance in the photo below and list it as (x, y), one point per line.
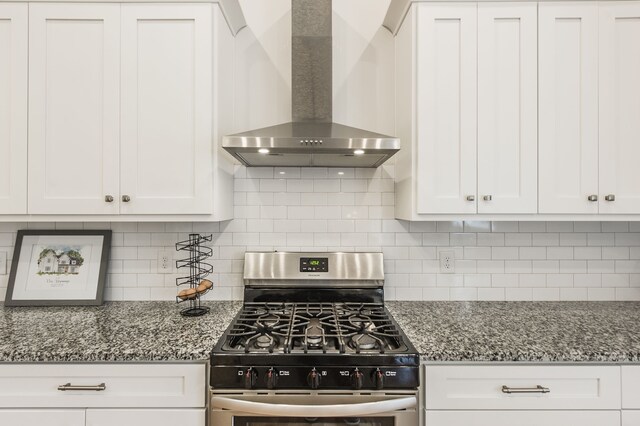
(631, 387)
(194, 417)
(42, 417)
(481, 387)
(522, 418)
(126, 385)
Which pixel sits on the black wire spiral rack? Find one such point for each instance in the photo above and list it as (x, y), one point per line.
(198, 271)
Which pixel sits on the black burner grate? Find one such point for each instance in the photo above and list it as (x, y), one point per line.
(314, 328)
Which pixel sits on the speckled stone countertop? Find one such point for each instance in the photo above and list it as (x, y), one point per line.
(441, 331)
(522, 331)
(117, 331)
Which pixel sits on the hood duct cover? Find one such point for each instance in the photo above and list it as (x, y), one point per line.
(311, 139)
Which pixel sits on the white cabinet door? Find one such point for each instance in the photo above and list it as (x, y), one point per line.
(507, 108)
(619, 107)
(166, 108)
(33, 417)
(446, 51)
(137, 417)
(74, 86)
(522, 418)
(568, 107)
(13, 107)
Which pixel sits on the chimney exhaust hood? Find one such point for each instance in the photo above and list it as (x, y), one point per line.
(311, 139)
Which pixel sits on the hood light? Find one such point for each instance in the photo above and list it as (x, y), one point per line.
(358, 152)
(263, 151)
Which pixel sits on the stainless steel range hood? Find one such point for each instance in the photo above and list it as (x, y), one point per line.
(311, 138)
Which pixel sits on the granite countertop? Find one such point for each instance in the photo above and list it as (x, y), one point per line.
(522, 331)
(440, 331)
(116, 331)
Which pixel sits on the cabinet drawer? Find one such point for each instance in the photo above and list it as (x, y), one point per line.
(631, 387)
(42, 417)
(481, 387)
(126, 385)
(106, 417)
(522, 418)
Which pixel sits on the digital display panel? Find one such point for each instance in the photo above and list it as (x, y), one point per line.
(314, 264)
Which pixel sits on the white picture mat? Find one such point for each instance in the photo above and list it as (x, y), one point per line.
(29, 285)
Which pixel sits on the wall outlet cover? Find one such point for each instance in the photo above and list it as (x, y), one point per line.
(447, 261)
(165, 262)
(3, 263)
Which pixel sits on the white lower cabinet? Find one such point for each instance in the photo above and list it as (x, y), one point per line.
(145, 417)
(162, 394)
(630, 418)
(524, 418)
(523, 395)
(42, 417)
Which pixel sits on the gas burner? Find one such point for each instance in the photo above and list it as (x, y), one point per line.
(267, 321)
(264, 341)
(314, 334)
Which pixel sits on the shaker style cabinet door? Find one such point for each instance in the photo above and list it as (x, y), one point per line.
(13, 107)
(74, 87)
(568, 107)
(166, 109)
(619, 107)
(155, 417)
(507, 108)
(32, 417)
(446, 77)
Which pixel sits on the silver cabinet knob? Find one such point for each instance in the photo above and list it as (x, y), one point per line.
(487, 198)
(610, 197)
(592, 198)
(126, 198)
(471, 197)
(108, 198)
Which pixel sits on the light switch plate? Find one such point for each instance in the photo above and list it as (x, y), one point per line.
(3, 263)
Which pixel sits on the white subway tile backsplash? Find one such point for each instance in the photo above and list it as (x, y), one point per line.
(353, 209)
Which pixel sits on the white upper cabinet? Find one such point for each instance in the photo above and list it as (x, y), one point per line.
(167, 108)
(507, 108)
(13, 108)
(467, 110)
(568, 110)
(619, 91)
(126, 106)
(446, 47)
(74, 96)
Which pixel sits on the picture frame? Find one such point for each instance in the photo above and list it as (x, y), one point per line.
(59, 268)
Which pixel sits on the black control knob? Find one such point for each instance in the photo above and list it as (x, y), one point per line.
(378, 378)
(313, 379)
(357, 379)
(250, 378)
(271, 378)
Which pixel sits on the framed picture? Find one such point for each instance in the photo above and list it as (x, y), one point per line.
(54, 268)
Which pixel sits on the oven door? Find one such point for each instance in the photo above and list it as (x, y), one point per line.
(321, 408)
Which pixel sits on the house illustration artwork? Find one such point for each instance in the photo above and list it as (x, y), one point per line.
(66, 261)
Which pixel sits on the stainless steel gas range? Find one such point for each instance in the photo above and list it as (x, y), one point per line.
(314, 344)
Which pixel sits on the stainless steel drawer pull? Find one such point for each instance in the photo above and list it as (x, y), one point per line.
(70, 387)
(592, 198)
(537, 389)
(471, 197)
(610, 197)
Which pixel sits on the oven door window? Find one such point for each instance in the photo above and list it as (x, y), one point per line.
(325, 421)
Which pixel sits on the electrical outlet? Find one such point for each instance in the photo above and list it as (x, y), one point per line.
(447, 262)
(165, 261)
(3, 263)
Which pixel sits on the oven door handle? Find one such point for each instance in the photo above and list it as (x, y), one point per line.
(336, 410)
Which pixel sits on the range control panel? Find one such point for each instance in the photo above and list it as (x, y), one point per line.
(314, 264)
